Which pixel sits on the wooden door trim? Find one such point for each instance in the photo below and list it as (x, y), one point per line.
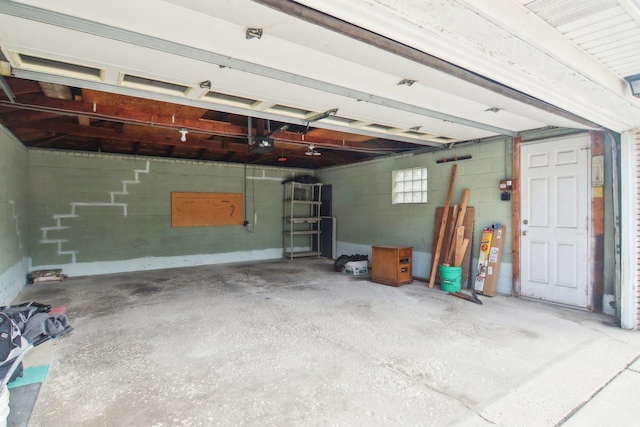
(515, 215)
(596, 259)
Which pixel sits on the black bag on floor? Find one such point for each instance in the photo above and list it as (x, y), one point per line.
(12, 344)
(4, 370)
(35, 322)
(42, 326)
(21, 313)
(338, 265)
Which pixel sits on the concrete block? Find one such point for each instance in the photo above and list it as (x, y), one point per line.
(476, 167)
(492, 150)
(498, 164)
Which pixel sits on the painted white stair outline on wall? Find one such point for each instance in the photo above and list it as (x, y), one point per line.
(58, 218)
(18, 233)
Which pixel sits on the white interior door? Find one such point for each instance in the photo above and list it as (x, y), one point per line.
(555, 215)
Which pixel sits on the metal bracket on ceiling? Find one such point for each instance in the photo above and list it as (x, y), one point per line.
(254, 33)
(5, 67)
(7, 90)
(282, 128)
(407, 82)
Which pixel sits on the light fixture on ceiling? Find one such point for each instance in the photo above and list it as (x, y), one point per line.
(205, 84)
(634, 84)
(254, 33)
(311, 151)
(261, 145)
(184, 133)
(282, 158)
(406, 82)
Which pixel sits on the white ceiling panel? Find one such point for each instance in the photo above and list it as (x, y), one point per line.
(510, 44)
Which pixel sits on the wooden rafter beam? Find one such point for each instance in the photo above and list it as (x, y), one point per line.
(156, 137)
(42, 105)
(128, 134)
(119, 114)
(18, 117)
(21, 86)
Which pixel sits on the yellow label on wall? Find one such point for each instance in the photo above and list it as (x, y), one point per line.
(596, 192)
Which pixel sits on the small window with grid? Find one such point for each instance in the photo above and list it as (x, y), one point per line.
(410, 186)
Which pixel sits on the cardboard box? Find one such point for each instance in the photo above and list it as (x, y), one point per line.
(483, 259)
(356, 268)
(495, 258)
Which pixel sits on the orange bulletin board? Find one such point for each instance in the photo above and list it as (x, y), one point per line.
(203, 209)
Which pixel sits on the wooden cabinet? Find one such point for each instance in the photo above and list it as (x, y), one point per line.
(391, 265)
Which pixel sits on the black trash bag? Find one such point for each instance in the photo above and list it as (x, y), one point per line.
(21, 313)
(340, 262)
(4, 370)
(343, 259)
(358, 257)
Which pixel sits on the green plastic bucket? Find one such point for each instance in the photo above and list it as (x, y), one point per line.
(450, 278)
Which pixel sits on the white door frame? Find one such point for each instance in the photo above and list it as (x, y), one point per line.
(628, 230)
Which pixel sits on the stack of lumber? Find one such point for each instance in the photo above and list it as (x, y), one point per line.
(450, 232)
(451, 247)
(458, 243)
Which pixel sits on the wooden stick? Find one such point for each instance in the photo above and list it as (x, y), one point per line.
(463, 207)
(459, 235)
(451, 236)
(443, 225)
(461, 252)
(459, 220)
(459, 239)
(456, 241)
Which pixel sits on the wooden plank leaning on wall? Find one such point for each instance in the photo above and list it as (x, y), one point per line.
(597, 227)
(515, 215)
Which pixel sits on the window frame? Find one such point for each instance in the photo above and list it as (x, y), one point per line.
(417, 178)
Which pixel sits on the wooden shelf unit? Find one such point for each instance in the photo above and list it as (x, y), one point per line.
(392, 265)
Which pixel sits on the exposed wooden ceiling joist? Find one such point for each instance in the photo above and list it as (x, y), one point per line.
(99, 121)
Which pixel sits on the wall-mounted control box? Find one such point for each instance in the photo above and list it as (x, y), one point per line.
(505, 185)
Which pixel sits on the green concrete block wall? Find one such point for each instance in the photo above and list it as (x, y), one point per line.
(104, 234)
(13, 216)
(362, 199)
(362, 196)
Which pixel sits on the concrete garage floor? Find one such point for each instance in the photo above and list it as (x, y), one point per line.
(292, 343)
